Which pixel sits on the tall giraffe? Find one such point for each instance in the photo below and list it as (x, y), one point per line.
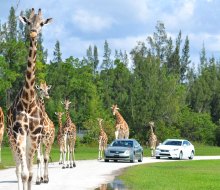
(103, 139)
(69, 135)
(152, 140)
(48, 135)
(25, 117)
(122, 129)
(60, 138)
(2, 126)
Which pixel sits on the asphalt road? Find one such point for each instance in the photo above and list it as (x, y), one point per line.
(88, 174)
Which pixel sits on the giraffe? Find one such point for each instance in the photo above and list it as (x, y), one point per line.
(60, 138)
(122, 129)
(48, 135)
(2, 126)
(69, 136)
(25, 117)
(103, 139)
(152, 140)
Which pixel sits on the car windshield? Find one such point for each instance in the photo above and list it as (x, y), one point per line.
(173, 143)
(123, 143)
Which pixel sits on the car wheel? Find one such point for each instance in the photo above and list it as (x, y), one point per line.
(157, 157)
(141, 158)
(181, 155)
(191, 155)
(115, 160)
(170, 158)
(132, 160)
(106, 160)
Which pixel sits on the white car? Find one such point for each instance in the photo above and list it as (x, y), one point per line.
(175, 148)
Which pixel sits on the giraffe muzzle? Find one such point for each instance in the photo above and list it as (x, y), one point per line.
(33, 34)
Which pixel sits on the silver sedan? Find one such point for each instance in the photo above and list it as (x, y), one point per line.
(124, 149)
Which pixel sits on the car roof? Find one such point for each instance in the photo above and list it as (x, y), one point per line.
(125, 140)
(176, 140)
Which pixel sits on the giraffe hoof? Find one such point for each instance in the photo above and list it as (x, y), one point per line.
(67, 166)
(74, 165)
(41, 179)
(63, 167)
(38, 182)
(71, 166)
(46, 181)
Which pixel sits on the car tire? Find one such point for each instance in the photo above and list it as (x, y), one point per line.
(141, 158)
(115, 160)
(191, 155)
(132, 159)
(181, 155)
(170, 158)
(157, 157)
(106, 160)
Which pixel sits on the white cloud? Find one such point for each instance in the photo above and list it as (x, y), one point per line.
(89, 22)
(181, 14)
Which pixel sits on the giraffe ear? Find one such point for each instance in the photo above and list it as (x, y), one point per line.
(24, 20)
(47, 21)
(37, 87)
(62, 102)
(56, 113)
(49, 87)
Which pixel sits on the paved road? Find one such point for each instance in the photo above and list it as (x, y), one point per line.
(87, 175)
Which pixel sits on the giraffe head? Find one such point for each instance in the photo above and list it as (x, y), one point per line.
(35, 22)
(114, 108)
(59, 114)
(43, 90)
(66, 104)
(151, 124)
(100, 120)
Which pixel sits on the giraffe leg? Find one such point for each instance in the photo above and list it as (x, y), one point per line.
(64, 152)
(99, 156)
(68, 156)
(39, 177)
(18, 173)
(0, 154)
(61, 156)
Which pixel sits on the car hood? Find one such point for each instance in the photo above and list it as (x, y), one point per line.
(118, 148)
(168, 147)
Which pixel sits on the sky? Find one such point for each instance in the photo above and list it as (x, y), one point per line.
(80, 23)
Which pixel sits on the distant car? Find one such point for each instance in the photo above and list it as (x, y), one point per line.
(175, 148)
(125, 150)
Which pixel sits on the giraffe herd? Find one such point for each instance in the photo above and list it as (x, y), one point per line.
(31, 131)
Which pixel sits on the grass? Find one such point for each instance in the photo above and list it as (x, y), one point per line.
(178, 175)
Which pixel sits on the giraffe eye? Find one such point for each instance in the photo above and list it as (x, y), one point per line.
(41, 24)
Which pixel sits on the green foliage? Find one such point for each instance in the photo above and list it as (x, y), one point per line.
(160, 87)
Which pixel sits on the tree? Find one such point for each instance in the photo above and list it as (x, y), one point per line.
(107, 62)
(57, 53)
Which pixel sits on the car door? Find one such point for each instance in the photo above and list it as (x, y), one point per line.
(186, 151)
(137, 149)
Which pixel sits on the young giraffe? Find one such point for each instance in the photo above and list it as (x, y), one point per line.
(152, 139)
(60, 138)
(2, 126)
(25, 117)
(48, 135)
(103, 139)
(69, 136)
(122, 129)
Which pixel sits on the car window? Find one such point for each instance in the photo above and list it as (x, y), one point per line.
(185, 143)
(123, 143)
(173, 143)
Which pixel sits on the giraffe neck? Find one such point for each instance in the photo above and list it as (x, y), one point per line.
(60, 122)
(119, 118)
(28, 92)
(68, 119)
(42, 104)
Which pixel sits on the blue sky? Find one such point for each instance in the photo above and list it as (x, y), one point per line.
(80, 23)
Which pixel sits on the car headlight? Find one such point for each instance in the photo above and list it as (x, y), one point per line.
(127, 152)
(176, 149)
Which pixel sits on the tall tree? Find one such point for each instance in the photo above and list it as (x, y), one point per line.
(107, 62)
(57, 53)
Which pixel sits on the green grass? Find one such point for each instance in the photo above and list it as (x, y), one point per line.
(82, 152)
(178, 175)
